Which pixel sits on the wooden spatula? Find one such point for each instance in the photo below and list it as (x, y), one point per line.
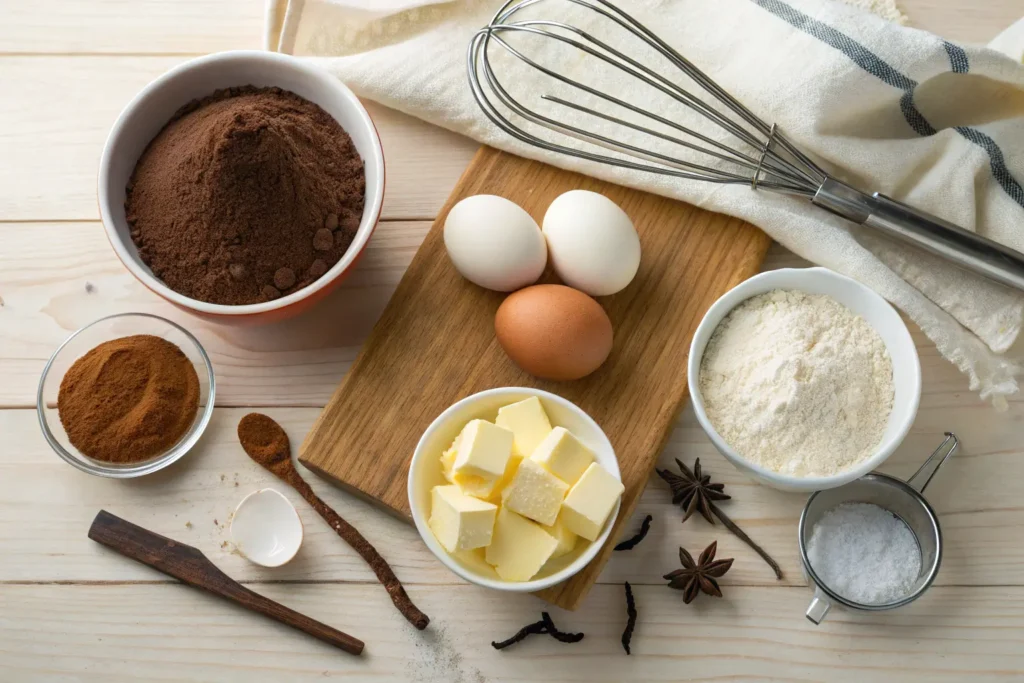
(190, 566)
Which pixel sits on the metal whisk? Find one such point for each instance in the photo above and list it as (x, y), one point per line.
(618, 126)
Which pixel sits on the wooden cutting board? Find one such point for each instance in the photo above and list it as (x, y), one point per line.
(435, 344)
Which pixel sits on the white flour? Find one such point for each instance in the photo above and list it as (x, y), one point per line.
(797, 383)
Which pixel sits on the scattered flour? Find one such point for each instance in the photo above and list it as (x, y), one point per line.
(865, 553)
(797, 383)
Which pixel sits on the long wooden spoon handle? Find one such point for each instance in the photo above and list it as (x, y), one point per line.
(189, 565)
(358, 542)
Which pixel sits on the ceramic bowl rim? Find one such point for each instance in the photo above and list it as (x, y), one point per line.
(150, 466)
(510, 586)
(363, 234)
(738, 294)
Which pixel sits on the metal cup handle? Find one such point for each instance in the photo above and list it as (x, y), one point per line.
(919, 482)
(819, 607)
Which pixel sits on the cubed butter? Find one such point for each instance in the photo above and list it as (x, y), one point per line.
(519, 547)
(506, 479)
(460, 522)
(563, 455)
(448, 461)
(565, 538)
(483, 452)
(528, 423)
(535, 493)
(590, 501)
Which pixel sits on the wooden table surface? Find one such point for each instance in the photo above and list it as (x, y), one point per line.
(70, 610)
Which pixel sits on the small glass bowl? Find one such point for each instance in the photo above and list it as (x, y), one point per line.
(87, 338)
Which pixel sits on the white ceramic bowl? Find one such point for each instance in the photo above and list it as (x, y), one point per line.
(266, 529)
(906, 366)
(425, 473)
(150, 110)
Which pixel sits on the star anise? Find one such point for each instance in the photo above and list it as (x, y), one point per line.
(694, 491)
(699, 576)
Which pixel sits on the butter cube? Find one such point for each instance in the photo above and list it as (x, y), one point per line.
(506, 479)
(460, 522)
(519, 548)
(563, 455)
(480, 460)
(566, 539)
(448, 461)
(590, 501)
(535, 493)
(528, 422)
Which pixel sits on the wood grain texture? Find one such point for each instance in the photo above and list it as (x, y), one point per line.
(434, 343)
(92, 627)
(134, 26)
(57, 277)
(190, 566)
(46, 508)
(111, 634)
(201, 26)
(62, 108)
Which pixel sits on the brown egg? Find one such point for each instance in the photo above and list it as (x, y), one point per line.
(554, 332)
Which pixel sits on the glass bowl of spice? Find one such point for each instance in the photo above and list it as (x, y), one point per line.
(126, 395)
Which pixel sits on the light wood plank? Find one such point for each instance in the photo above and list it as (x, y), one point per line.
(129, 633)
(57, 277)
(62, 108)
(46, 508)
(199, 26)
(130, 26)
(45, 267)
(969, 22)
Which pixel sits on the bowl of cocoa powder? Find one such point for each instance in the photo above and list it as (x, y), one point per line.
(242, 186)
(126, 395)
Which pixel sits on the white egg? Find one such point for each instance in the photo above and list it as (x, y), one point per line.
(494, 243)
(593, 244)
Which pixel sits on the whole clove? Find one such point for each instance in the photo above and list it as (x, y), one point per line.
(545, 625)
(633, 542)
(627, 634)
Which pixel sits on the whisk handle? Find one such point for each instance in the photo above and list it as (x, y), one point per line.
(920, 229)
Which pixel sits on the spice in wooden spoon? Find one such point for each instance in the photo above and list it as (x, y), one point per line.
(266, 442)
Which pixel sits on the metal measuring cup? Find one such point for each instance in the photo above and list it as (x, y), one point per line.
(903, 499)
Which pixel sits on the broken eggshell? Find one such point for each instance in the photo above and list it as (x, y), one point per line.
(266, 528)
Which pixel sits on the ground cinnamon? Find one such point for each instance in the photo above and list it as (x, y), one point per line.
(128, 399)
(266, 442)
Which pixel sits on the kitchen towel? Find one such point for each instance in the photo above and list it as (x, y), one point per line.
(885, 107)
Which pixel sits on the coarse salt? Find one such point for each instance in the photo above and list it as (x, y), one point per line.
(865, 553)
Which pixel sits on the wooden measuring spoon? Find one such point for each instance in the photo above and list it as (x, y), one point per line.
(265, 441)
(189, 565)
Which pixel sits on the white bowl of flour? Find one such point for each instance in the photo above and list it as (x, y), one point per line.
(803, 378)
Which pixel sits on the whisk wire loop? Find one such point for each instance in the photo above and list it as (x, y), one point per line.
(764, 167)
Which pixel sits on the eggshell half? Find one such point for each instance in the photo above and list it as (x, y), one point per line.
(266, 529)
(554, 332)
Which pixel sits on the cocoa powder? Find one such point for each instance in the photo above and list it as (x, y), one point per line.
(128, 399)
(245, 195)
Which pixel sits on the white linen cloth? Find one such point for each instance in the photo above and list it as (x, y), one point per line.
(887, 108)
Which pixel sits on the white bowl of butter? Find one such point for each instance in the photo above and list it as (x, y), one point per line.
(517, 545)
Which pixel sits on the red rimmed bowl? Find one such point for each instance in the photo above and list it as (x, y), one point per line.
(150, 110)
